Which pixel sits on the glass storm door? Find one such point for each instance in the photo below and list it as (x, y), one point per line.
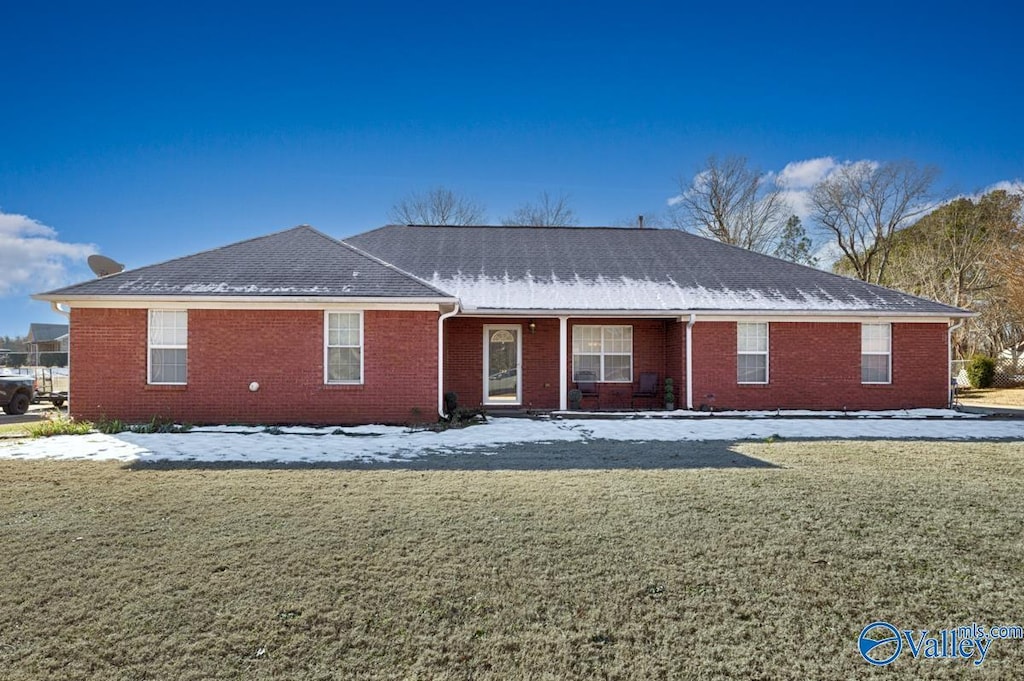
(502, 357)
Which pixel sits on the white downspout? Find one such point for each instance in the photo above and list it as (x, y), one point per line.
(66, 313)
(949, 360)
(689, 361)
(563, 366)
(440, 358)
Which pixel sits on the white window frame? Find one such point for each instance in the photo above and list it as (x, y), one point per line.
(764, 353)
(150, 347)
(602, 354)
(887, 354)
(327, 347)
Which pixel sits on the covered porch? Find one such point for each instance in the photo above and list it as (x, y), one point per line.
(533, 363)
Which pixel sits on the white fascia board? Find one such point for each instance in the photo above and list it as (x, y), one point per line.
(252, 302)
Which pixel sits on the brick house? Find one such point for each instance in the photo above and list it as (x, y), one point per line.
(299, 327)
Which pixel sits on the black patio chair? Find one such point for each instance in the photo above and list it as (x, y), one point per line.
(646, 389)
(586, 383)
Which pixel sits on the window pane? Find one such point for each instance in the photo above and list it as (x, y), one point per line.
(618, 339)
(751, 369)
(874, 368)
(168, 366)
(751, 337)
(586, 363)
(343, 329)
(343, 364)
(168, 327)
(586, 339)
(618, 368)
(874, 337)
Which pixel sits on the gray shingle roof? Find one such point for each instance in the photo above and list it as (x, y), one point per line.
(595, 268)
(40, 333)
(296, 262)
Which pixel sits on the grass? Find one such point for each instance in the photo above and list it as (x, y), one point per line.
(15, 429)
(1007, 397)
(757, 573)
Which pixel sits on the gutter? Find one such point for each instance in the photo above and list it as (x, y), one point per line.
(949, 359)
(440, 358)
(689, 361)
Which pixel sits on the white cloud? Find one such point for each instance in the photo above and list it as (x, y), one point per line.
(32, 257)
(1011, 186)
(799, 175)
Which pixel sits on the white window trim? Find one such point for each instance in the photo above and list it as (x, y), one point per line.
(887, 354)
(518, 328)
(362, 348)
(150, 347)
(602, 354)
(767, 347)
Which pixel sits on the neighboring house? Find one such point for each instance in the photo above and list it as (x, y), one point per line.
(45, 338)
(299, 327)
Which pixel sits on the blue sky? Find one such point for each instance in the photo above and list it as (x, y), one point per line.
(151, 131)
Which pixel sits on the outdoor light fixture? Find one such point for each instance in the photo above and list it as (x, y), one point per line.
(533, 326)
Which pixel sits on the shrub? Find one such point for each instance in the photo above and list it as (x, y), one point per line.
(111, 426)
(60, 426)
(981, 370)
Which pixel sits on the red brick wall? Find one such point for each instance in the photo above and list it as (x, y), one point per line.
(817, 366)
(281, 349)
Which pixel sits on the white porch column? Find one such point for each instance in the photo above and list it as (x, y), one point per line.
(563, 363)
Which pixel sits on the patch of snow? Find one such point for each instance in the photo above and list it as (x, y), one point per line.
(391, 444)
(631, 294)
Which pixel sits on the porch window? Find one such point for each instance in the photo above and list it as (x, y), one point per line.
(343, 347)
(168, 347)
(875, 353)
(751, 352)
(602, 353)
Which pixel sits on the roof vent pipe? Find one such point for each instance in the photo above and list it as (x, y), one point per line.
(640, 221)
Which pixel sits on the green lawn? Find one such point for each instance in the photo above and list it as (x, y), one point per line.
(751, 572)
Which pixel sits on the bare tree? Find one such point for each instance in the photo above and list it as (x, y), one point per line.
(863, 204)
(733, 203)
(439, 206)
(547, 212)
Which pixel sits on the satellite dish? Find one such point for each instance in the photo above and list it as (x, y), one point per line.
(104, 266)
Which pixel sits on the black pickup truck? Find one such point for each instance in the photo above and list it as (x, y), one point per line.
(16, 393)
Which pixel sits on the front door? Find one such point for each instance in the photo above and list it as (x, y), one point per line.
(502, 357)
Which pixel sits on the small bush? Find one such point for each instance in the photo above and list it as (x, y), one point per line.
(981, 370)
(60, 426)
(111, 426)
(154, 425)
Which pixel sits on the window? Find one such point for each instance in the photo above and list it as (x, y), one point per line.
(343, 362)
(751, 352)
(168, 346)
(875, 353)
(602, 353)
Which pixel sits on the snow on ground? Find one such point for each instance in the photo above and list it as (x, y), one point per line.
(391, 443)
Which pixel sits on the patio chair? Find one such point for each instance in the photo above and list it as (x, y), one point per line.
(586, 383)
(646, 389)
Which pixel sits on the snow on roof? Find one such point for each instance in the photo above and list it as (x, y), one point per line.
(602, 268)
(631, 294)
